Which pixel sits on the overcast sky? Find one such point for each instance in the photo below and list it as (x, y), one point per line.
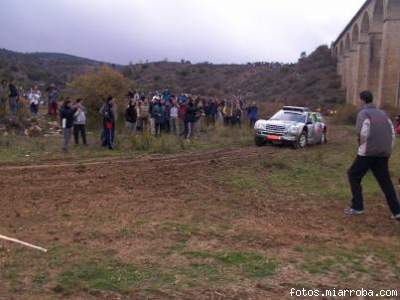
(120, 31)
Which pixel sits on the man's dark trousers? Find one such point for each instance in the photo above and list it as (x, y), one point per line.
(80, 129)
(380, 168)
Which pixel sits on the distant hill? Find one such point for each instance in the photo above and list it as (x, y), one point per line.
(42, 68)
(312, 81)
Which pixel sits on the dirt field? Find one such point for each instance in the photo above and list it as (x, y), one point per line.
(245, 223)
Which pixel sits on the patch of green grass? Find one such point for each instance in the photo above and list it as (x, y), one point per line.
(40, 279)
(17, 148)
(336, 260)
(179, 232)
(319, 172)
(244, 182)
(251, 264)
(200, 271)
(100, 275)
(183, 231)
(322, 266)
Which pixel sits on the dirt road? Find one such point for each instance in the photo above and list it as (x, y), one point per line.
(202, 225)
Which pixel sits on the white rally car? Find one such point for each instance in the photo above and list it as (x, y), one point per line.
(297, 126)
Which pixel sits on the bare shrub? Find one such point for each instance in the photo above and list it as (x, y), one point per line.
(346, 115)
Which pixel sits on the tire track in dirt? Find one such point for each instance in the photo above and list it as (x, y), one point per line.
(191, 158)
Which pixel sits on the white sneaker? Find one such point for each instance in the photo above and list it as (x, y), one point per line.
(396, 217)
(352, 212)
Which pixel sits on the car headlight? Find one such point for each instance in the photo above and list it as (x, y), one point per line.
(259, 126)
(294, 130)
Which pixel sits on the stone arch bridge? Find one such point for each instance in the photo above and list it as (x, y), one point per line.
(368, 53)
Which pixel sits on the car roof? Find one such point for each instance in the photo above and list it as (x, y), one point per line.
(296, 109)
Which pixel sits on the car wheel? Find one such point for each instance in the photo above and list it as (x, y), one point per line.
(259, 141)
(301, 141)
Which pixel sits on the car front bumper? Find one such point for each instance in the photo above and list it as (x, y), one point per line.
(274, 138)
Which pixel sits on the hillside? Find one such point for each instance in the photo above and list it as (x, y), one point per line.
(312, 81)
(42, 68)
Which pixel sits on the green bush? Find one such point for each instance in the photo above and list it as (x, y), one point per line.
(95, 86)
(182, 73)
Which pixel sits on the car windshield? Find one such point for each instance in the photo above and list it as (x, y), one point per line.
(289, 116)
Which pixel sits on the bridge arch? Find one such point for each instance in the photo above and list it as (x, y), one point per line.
(392, 9)
(378, 16)
(365, 27)
(347, 43)
(355, 36)
(369, 52)
(341, 49)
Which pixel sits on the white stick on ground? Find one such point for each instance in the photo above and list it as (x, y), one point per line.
(3, 237)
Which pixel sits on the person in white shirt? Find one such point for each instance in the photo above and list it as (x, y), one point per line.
(80, 122)
(173, 118)
(34, 97)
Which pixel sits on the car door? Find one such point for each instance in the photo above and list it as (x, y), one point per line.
(318, 127)
(311, 120)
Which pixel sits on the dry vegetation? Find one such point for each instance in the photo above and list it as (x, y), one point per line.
(312, 81)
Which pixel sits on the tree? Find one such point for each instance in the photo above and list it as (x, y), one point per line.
(95, 86)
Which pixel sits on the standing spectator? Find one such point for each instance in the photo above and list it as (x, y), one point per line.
(52, 101)
(67, 121)
(152, 115)
(34, 97)
(80, 122)
(136, 96)
(166, 114)
(3, 98)
(158, 116)
(252, 114)
(376, 141)
(190, 118)
(211, 112)
(198, 125)
(220, 115)
(207, 112)
(182, 109)
(173, 118)
(13, 98)
(228, 113)
(237, 115)
(144, 114)
(131, 116)
(108, 112)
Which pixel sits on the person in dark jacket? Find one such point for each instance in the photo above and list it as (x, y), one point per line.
(252, 114)
(109, 116)
(166, 115)
(158, 115)
(3, 98)
(237, 115)
(131, 116)
(376, 138)
(67, 113)
(191, 118)
(13, 98)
